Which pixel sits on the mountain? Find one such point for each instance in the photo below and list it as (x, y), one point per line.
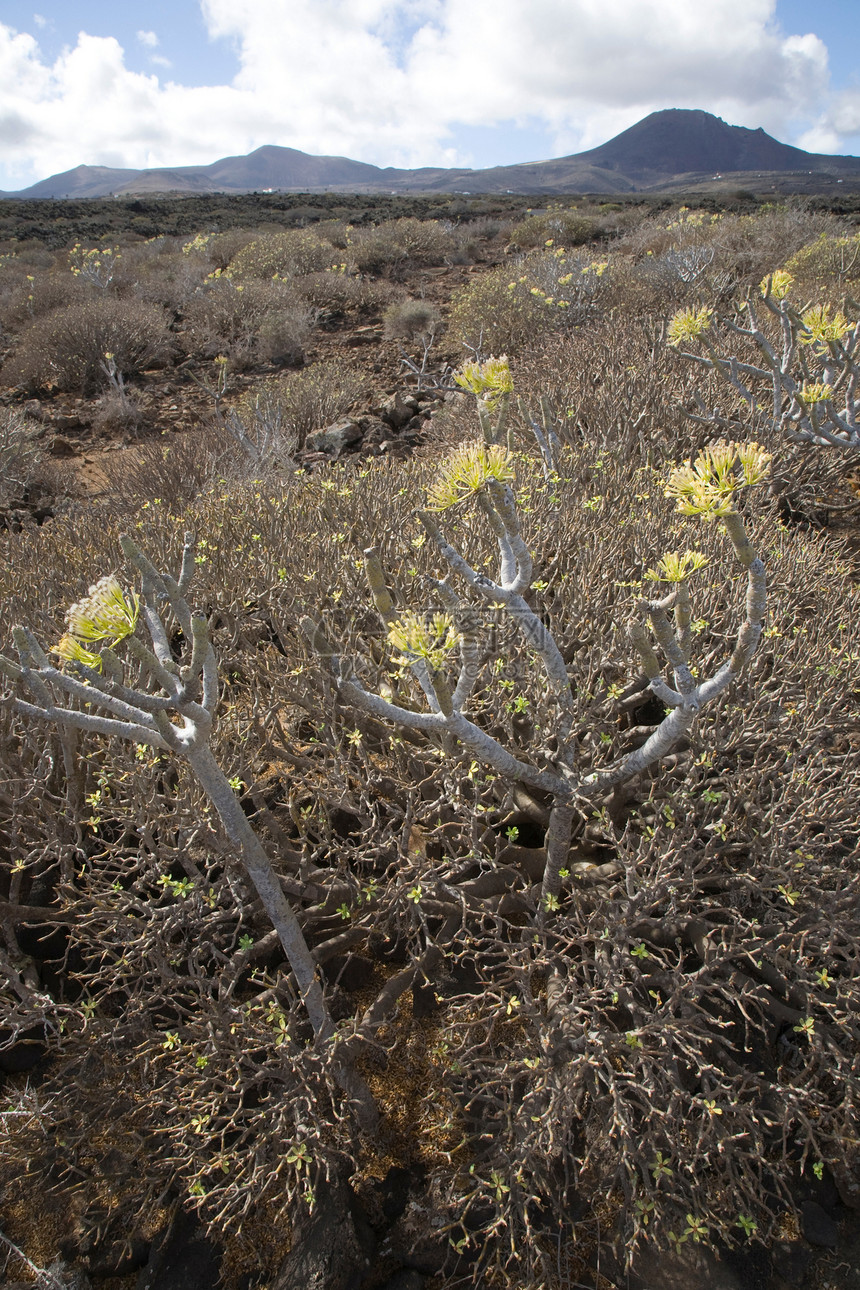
(680, 141)
(675, 148)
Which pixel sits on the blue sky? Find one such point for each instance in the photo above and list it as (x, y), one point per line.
(408, 82)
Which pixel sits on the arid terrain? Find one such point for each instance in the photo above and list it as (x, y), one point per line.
(625, 1059)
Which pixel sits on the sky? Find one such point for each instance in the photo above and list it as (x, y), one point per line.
(408, 82)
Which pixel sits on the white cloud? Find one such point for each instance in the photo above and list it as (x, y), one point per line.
(840, 122)
(819, 138)
(39, 20)
(159, 60)
(386, 80)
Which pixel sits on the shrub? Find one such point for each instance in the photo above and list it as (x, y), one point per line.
(295, 250)
(288, 410)
(34, 295)
(117, 413)
(218, 249)
(749, 246)
(801, 358)
(828, 261)
(96, 265)
(389, 247)
(615, 389)
(486, 228)
(247, 323)
(673, 257)
(709, 911)
(157, 271)
(489, 317)
(472, 238)
(335, 294)
(336, 231)
(411, 319)
(66, 348)
(517, 305)
(563, 226)
(175, 469)
(684, 984)
(20, 454)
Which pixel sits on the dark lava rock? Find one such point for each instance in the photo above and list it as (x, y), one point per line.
(791, 1260)
(334, 439)
(327, 1252)
(847, 1184)
(374, 431)
(392, 1192)
(407, 1279)
(694, 1266)
(120, 1259)
(63, 447)
(424, 1002)
(414, 1242)
(398, 410)
(351, 971)
(183, 1258)
(817, 1226)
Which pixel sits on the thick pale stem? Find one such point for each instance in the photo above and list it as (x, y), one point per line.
(670, 730)
(756, 600)
(530, 626)
(683, 616)
(672, 649)
(491, 753)
(259, 867)
(385, 608)
(557, 849)
(507, 561)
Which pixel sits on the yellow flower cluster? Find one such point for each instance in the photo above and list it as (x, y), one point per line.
(706, 485)
(688, 324)
(551, 300)
(431, 639)
(467, 471)
(815, 392)
(821, 328)
(197, 243)
(777, 284)
(72, 651)
(677, 567)
(92, 263)
(107, 614)
(490, 381)
(692, 219)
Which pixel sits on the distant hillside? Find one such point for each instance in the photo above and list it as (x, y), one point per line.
(679, 142)
(670, 149)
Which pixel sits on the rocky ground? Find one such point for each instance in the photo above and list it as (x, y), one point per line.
(85, 454)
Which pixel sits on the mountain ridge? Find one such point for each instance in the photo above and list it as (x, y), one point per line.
(667, 148)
